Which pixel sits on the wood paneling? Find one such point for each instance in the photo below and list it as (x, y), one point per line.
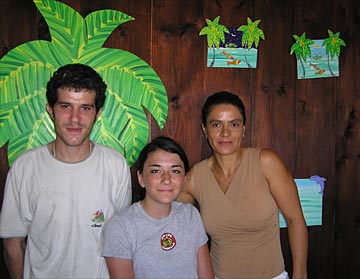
(177, 52)
(347, 182)
(314, 125)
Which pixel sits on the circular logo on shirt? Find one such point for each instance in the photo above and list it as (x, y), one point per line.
(167, 241)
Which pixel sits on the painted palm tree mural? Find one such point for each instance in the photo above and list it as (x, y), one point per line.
(215, 35)
(132, 83)
(302, 50)
(251, 36)
(318, 58)
(229, 47)
(332, 44)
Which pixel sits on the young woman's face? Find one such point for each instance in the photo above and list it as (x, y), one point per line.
(163, 177)
(224, 129)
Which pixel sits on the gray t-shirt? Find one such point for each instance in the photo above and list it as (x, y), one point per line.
(159, 248)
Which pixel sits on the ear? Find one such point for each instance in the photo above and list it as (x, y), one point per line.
(204, 130)
(140, 179)
(98, 114)
(50, 111)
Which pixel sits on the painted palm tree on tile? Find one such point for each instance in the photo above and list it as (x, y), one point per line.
(302, 50)
(251, 35)
(332, 44)
(215, 33)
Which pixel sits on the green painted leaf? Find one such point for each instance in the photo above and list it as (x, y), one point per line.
(66, 26)
(133, 85)
(100, 24)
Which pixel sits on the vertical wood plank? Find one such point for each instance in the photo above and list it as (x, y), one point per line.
(315, 137)
(347, 218)
(273, 91)
(177, 57)
(15, 29)
(236, 80)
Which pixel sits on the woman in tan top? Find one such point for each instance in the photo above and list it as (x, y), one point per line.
(240, 191)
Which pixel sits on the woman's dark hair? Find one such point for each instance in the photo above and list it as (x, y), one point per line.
(164, 143)
(219, 98)
(77, 76)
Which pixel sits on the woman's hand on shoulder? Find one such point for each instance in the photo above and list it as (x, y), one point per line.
(187, 194)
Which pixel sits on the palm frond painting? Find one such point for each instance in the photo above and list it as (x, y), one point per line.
(317, 58)
(250, 39)
(215, 33)
(132, 84)
(311, 192)
(332, 48)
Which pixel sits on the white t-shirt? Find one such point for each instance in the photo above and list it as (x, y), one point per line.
(62, 208)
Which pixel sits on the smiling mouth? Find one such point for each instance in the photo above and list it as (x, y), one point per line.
(74, 129)
(225, 142)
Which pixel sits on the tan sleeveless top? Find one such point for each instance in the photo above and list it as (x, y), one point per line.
(243, 223)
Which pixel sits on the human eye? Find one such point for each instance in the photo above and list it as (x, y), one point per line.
(86, 107)
(215, 124)
(154, 171)
(177, 171)
(64, 106)
(236, 123)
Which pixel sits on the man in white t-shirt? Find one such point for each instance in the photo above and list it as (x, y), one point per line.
(58, 197)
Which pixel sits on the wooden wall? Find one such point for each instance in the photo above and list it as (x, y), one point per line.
(313, 124)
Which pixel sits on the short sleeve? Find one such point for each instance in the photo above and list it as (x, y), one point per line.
(13, 222)
(124, 190)
(199, 227)
(118, 242)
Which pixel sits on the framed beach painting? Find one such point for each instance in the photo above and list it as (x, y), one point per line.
(311, 193)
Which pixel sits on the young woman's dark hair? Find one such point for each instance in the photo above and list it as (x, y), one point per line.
(77, 76)
(166, 144)
(219, 98)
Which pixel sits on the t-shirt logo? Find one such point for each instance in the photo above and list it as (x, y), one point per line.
(167, 241)
(98, 218)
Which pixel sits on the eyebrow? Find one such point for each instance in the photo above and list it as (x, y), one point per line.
(218, 120)
(68, 103)
(173, 166)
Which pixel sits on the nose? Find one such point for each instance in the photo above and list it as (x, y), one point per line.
(166, 177)
(225, 130)
(74, 115)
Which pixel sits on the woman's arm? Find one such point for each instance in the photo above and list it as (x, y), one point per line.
(284, 191)
(204, 265)
(120, 268)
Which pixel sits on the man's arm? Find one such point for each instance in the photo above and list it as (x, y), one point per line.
(14, 251)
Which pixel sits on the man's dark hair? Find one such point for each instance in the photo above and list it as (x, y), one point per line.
(77, 76)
